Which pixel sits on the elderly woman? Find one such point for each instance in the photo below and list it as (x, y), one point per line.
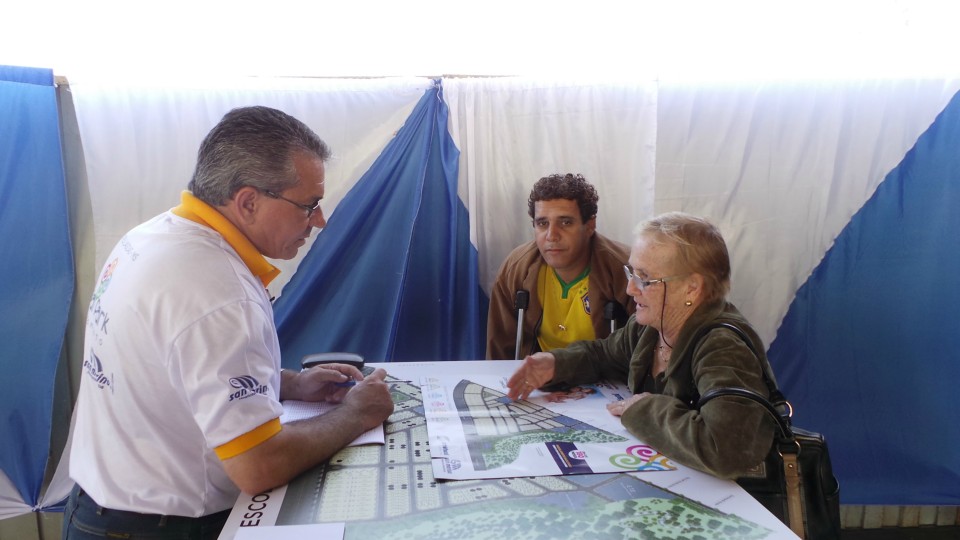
(679, 274)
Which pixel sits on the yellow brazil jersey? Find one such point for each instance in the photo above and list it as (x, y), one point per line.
(566, 309)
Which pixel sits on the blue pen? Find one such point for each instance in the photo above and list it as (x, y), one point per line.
(346, 384)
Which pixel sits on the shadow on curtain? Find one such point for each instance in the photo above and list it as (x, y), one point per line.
(393, 276)
(36, 286)
(868, 349)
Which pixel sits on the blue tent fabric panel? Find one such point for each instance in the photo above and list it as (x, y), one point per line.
(36, 287)
(27, 75)
(392, 276)
(868, 350)
(442, 313)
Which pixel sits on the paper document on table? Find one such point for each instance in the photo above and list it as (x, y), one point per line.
(298, 410)
(476, 431)
(392, 506)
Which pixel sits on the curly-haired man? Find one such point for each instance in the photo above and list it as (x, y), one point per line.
(570, 272)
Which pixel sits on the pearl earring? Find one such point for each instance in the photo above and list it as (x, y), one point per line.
(688, 303)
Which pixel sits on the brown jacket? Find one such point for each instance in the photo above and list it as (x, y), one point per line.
(520, 270)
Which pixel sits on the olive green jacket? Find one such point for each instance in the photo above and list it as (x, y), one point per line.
(727, 437)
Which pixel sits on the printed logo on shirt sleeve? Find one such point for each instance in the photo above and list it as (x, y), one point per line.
(246, 386)
(93, 367)
(98, 317)
(105, 279)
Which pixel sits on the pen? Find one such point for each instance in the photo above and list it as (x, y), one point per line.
(346, 384)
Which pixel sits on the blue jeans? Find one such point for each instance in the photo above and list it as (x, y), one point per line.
(84, 519)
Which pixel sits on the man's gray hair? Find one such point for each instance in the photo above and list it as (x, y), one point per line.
(252, 146)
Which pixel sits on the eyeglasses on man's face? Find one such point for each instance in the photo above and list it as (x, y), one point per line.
(305, 207)
(642, 284)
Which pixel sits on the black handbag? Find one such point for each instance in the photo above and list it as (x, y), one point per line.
(795, 481)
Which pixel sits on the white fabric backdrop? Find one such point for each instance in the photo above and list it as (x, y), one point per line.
(140, 139)
(11, 504)
(781, 168)
(513, 131)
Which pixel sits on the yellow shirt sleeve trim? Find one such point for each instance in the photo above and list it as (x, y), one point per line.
(196, 210)
(248, 440)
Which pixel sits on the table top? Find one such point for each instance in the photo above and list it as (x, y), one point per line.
(388, 491)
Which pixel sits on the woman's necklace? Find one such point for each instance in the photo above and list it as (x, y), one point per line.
(663, 353)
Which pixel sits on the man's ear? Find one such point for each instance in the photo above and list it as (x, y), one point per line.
(245, 204)
(591, 225)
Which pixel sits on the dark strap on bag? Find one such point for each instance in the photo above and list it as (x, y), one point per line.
(786, 432)
(776, 397)
(786, 441)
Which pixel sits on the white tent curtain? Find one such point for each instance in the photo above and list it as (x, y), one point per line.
(781, 168)
(11, 504)
(140, 138)
(513, 131)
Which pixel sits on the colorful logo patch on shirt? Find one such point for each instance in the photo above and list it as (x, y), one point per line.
(105, 279)
(246, 386)
(586, 303)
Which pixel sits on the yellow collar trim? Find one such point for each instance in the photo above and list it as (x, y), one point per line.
(200, 212)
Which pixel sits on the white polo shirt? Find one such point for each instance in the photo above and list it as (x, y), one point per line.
(181, 363)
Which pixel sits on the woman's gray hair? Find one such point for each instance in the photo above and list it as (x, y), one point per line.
(252, 146)
(700, 249)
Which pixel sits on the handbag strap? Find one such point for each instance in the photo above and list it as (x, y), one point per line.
(777, 405)
(786, 431)
(775, 395)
